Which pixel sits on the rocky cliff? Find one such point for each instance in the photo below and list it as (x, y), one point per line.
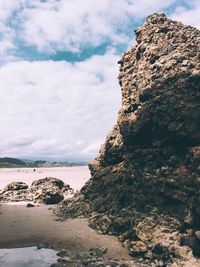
(145, 184)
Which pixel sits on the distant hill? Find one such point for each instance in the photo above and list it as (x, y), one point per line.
(11, 163)
(44, 163)
(19, 163)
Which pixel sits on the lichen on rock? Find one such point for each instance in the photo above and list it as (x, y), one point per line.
(145, 184)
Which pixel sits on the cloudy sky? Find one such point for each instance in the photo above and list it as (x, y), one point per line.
(59, 94)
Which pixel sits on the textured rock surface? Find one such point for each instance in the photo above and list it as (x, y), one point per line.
(15, 191)
(14, 196)
(15, 186)
(93, 258)
(48, 190)
(145, 184)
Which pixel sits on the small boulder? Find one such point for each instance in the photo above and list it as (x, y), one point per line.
(62, 253)
(47, 182)
(47, 190)
(15, 186)
(29, 205)
(14, 196)
(42, 245)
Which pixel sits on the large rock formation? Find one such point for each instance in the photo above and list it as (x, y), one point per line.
(145, 184)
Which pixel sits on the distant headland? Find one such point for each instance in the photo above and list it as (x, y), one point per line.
(8, 162)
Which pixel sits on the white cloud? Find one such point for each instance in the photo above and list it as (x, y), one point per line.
(62, 109)
(7, 33)
(8, 7)
(58, 109)
(6, 41)
(189, 16)
(53, 25)
(71, 25)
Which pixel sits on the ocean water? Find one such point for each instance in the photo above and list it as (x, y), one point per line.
(27, 257)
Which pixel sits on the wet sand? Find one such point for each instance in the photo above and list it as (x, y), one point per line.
(21, 227)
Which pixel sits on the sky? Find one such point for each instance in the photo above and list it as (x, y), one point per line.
(59, 93)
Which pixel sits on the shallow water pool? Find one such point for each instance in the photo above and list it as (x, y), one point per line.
(27, 257)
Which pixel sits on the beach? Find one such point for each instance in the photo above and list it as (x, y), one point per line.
(76, 177)
(22, 227)
(26, 227)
